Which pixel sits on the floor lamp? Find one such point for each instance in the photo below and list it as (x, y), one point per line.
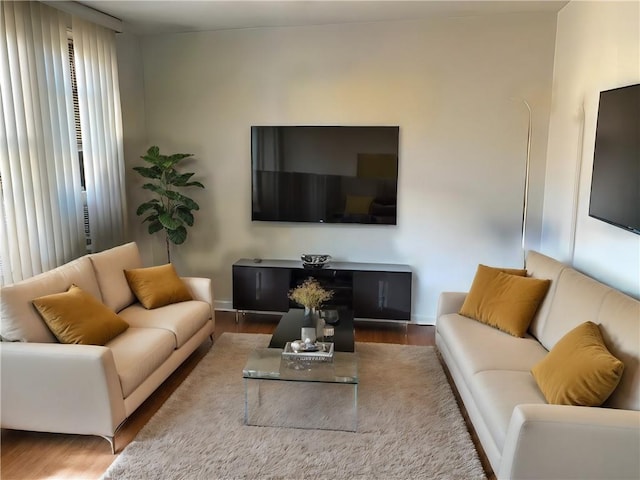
(525, 196)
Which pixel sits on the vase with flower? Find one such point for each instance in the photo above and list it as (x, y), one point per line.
(311, 296)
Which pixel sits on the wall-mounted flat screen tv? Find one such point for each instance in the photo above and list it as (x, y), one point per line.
(325, 174)
(615, 182)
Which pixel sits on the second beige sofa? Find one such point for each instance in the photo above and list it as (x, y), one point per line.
(522, 435)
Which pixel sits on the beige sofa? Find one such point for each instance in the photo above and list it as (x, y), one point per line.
(47, 386)
(523, 436)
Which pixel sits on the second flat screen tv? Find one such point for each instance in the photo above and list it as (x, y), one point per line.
(325, 174)
(615, 182)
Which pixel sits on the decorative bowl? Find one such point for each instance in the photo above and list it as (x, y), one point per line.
(315, 260)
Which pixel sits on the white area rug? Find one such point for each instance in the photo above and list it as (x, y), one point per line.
(409, 426)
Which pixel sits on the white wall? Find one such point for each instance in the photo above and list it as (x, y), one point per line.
(448, 84)
(131, 82)
(597, 48)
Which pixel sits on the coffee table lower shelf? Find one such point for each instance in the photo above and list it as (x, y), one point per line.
(301, 394)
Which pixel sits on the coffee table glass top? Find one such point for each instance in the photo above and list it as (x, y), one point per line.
(268, 364)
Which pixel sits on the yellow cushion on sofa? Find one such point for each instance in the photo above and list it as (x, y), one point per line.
(483, 278)
(504, 299)
(157, 286)
(579, 370)
(76, 316)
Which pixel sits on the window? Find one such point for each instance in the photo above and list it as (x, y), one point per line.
(76, 114)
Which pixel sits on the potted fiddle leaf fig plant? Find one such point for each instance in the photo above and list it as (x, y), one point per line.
(170, 210)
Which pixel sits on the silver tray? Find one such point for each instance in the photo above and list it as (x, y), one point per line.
(323, 354)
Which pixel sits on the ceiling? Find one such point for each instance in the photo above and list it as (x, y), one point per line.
(146, 17)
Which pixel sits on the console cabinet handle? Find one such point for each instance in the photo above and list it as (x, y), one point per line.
(383, 291)
(258, 284)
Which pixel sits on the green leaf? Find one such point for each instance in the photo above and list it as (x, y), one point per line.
(185, 215)
(181, 180)
(189, 203)
(176, 157)
(186, 201)
(155, 188)
(154, 227)
(153, 156)
(170, 175)
(194, 184)
(151, 218)
(177, 236)
(147, 206)
(169, 222)
(153, 172)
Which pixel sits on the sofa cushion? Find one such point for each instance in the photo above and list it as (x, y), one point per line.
(619, 320)
(76, 316)
(80, 272)
(579, 370)
(577, 298)
(157, 286)
(479, 347)
(109, 267)
(183, 319)
(497, 392)
(505, 301)
(20, 319)
(138, 352)
(541, 266)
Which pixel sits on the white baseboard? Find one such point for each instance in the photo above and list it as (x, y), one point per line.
(225, 305)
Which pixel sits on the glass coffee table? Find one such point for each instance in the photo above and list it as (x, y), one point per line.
(296, 393)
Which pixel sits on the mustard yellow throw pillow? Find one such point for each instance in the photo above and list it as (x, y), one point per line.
(579, 370)
(504, 299)
(76, 316)
(157, 286)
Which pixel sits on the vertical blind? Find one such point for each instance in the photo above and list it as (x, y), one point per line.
(40, 193)
(96, 72)
(42, 217)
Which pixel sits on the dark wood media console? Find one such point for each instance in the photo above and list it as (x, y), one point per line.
(371, 290)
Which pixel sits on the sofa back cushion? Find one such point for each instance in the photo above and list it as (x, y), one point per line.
(543, 267)
(577, 299)
(109, 267)
(20, 319)
(619, 320)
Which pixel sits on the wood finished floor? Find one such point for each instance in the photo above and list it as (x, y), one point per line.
(33, 455)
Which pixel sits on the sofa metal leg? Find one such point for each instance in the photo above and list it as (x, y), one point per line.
(112, 442)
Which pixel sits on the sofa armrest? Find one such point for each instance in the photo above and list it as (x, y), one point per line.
(450, 302)
(558, 441)
(200, 288)
(52, 387)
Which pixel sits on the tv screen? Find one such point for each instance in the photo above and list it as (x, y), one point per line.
(325, 174)
(615, 183)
